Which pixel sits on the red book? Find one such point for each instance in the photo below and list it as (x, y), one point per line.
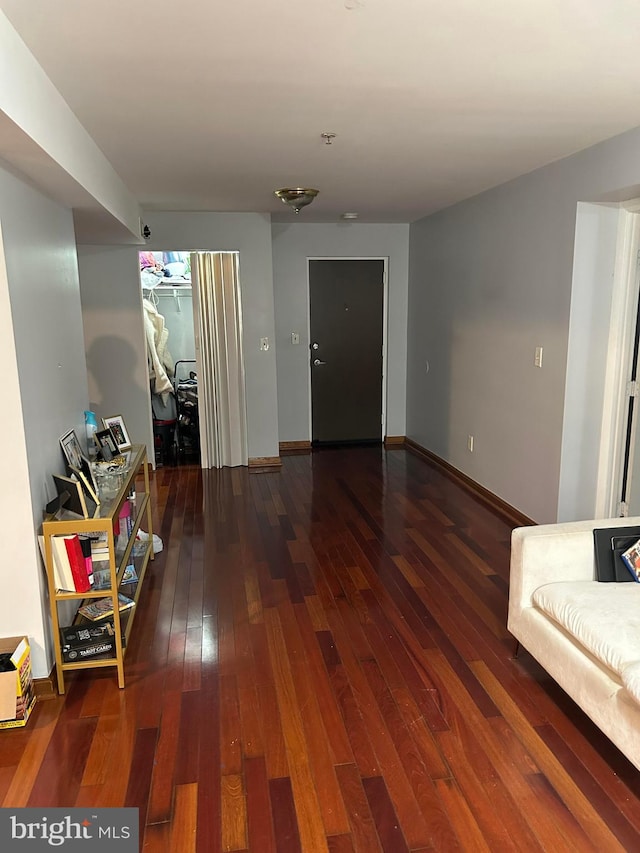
(77, 563)
(85, 545)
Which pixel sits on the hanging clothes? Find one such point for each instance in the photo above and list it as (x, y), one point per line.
(158, 355)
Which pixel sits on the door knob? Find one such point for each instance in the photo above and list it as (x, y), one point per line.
(317, 361)
(315, 345)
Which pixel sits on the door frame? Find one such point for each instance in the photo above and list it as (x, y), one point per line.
(385, 314)
(622, 327)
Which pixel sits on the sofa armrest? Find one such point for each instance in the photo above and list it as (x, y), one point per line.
(552, 552)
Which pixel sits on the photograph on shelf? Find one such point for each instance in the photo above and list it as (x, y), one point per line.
(107, 445)
(71, 449)
(76, 501)
(85, 476)
(116, 424)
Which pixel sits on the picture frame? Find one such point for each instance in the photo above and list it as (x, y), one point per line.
(88, 482)
(71, 449)
(107, 445)
(75, 502)
(116, 424)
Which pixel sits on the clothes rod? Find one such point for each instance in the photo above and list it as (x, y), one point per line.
(170, 291)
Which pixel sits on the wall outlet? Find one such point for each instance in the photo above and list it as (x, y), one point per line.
(470, 443)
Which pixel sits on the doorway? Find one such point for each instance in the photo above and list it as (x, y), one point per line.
(347, 308)
(629, 498)
(168, 312)
(192, 317)
(618, 480)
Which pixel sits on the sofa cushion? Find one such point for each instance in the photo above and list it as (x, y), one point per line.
(603, 617)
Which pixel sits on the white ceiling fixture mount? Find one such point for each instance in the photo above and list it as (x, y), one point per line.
(296, 197)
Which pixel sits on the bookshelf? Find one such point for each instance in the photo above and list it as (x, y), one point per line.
(104, 520)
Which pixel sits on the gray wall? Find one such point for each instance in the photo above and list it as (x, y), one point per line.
(292, 245)
(490, 279)
(177, 309)
(116, 360)
(44, 393)
(113, 319)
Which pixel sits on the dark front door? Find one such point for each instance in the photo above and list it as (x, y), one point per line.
(346, 302)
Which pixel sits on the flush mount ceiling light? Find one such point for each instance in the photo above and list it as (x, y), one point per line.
(296, 197)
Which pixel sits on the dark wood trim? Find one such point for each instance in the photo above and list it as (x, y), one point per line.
(394, 441)
(287, 448)
(507, 512)
(258, 464)
(45, 688)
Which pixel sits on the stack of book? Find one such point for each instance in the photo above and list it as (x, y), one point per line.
(99, 545)
(72, 562)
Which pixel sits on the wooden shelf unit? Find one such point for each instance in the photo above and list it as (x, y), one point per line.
(104, 519)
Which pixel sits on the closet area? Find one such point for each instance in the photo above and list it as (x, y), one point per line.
(168, 311)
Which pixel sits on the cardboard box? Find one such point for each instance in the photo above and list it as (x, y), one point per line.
(17, 695)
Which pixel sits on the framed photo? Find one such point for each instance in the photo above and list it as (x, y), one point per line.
(116, 424)
(85, 475)
(107, 443)
(71, 449)
(75, 500)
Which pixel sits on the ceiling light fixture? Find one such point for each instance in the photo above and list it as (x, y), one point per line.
(348, 216)
(328, 137)
(296, 197)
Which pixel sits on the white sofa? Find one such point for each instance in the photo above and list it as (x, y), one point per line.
(585, 634)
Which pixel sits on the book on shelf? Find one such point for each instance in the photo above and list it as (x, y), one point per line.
(129, 575)
(631, 559)
(81, 578)
(71, 654)
(98, 540)
(100, 551)
(70, 567)
(102, 575)
(85, 545)
(62, 580)
(77, 636)
(103, 607)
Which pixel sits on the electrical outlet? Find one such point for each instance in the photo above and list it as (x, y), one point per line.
(470, 443)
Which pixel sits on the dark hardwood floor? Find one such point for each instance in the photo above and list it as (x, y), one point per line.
(320, 662)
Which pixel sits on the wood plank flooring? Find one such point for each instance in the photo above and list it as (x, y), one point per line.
(320, 663)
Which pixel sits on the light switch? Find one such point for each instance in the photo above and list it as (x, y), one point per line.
(537, 361)
(264, 344)
(295, 338)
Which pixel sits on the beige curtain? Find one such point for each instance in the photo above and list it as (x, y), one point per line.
(221, 391)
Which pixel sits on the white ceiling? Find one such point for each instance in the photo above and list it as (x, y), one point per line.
(214, 105)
